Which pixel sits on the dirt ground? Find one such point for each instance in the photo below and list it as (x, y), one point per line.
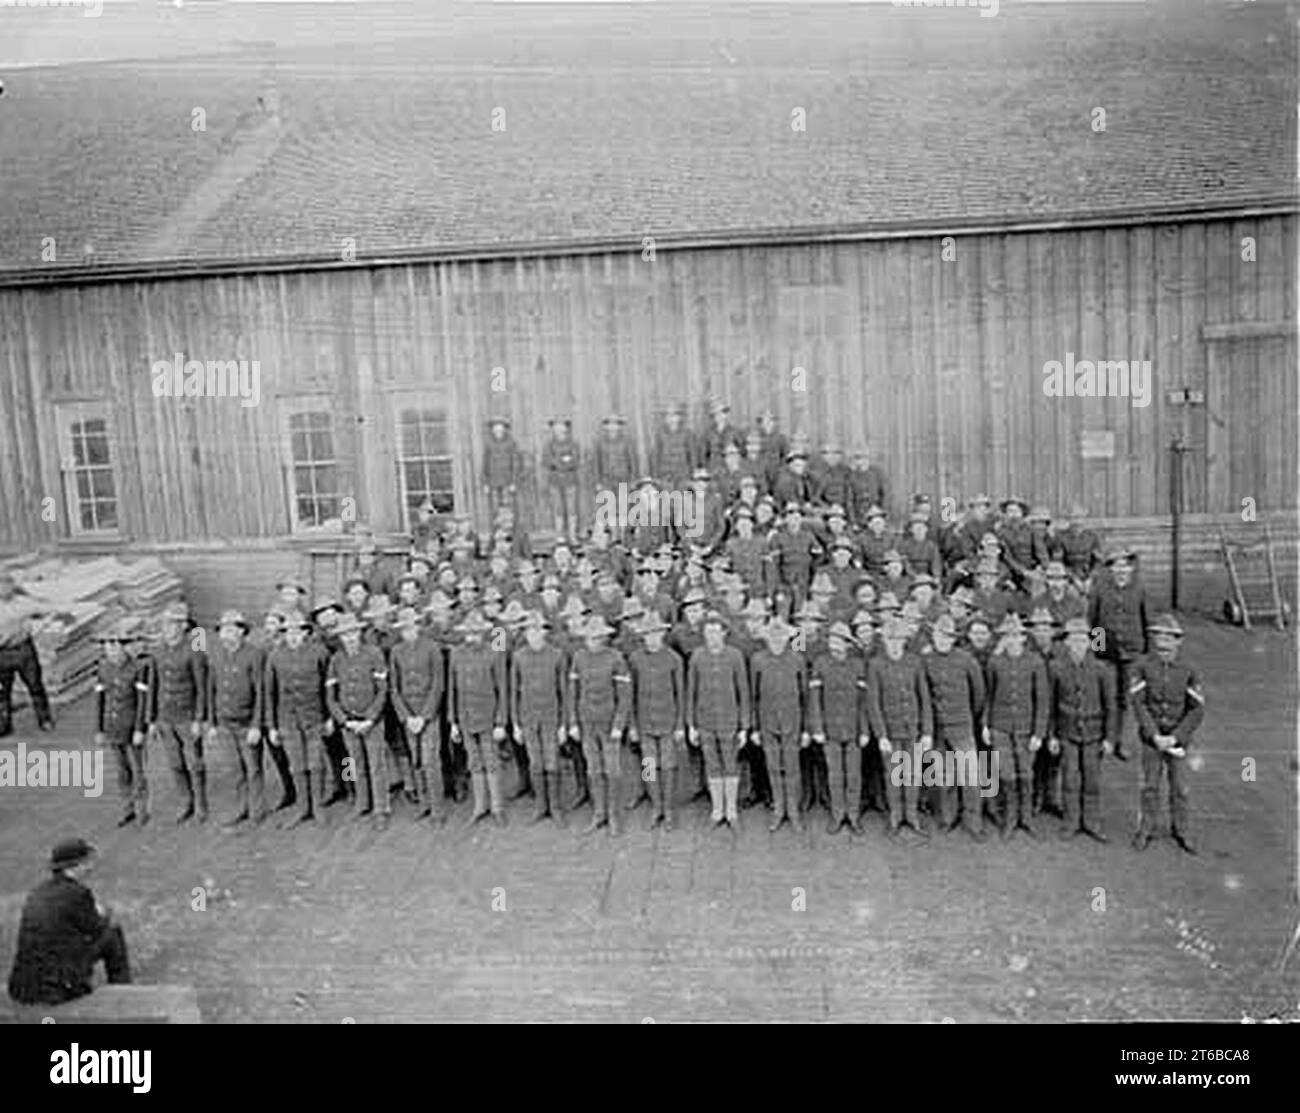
(343, 921)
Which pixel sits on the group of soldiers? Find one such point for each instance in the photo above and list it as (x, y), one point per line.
(789, 653)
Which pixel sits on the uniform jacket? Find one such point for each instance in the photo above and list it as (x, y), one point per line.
(1082, 704)
(415, 673)
(1122, 613)
(57, 943)
(356, 684)
(560, 462)
(1017, 695)
(789, 487)
(539, 687)
(615, 461)
(779, 687)
(717, 690)
(503, 465)
(295, 686)
(235, 686)
(178, 681)
(658, 691)
(956, 691)
(600, 685)
(477, 688)
(1167, 697)
(898, 698)
(120, 698)
(836, 693)
(674, 456)
(869, 488)
(1080, 550)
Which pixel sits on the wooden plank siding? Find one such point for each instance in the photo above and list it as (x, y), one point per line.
(935, 365)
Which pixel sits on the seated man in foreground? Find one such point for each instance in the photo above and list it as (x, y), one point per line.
(64, 932)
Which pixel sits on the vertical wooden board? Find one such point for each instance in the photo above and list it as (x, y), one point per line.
(1091, 278)
(1166, 372)
(1250, 447)
(946, 482)
(969, 401)
(1277, 423)
(894, 384)
(1021, 387)
(997, 392)
(17, 530)
(758, 323)
(921, 363)
(159, 492)
(1279, 278)
(1051, 459)
(1143, 440)
(1121, 413)
(1208, 265)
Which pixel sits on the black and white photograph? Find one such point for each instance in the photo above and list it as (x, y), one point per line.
(694, 512)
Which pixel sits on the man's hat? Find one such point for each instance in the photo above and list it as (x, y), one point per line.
(921, 498)
(822, 584)
(1055, 570)
(835, 510)
(232, 618)
(845, 543)
(111, 633)
(731, 448)
(380, 606)
(945, 625)
(747, 480)
(175, 612)
(876, 512)
(565, 421)
(406, 616)
(796, 454)
(615, 419)
(713, 618)
(633, 607)
(888, 601)
(296, 584)
(743, 512)
(695, 595)
(348, 623)
(597, 627)
(1077, 626)
(573, 606)
(893, 556)
(777, 629)
(474, 623)
(756, 608)
(515, 612)
(498, 420)
(918, 517)
(923, 579)
(70, 852)
(990, 540)
(840, 630)
(651, 622)
(1012, 624)
(962, 594)
(534, 620)
(980, 500)
(1166, 623)
(354, 581)
(979, 618)
(1041, 616)
(810, 611)
(1040, 514)
(793, 507)
(1014, 500)
(1117, 555)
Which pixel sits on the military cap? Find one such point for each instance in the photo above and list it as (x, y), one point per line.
(893, 556)
(1041, 616)
(1012, 624)
(1166, 623)
(474, 623)
(945, 625)
(70, 852)
(408, 578)
(348, 623)
(514, 611)
(651, 622)
(1115, 556)
(962, 594)
(534, 620)
(355, 581)
(876, 512)
(633, 607)
(923, 579)
(694, 595)
(713, 618)
(498, 420)
(1014, 500)
(596, 627)
(1077, 626)
(796, 453)
(888, 601)
(406, 616)
(845, 543)
(232, 618)
(700, 474)
(1055, 570)
(979, 618)
(835, 510)
(863, 617)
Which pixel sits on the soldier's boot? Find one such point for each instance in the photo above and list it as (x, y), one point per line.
(582, 792)
(543, 790)
(614, 807)
(423, 801)
(838, 814)
(497, 798)
(656, 787)
(241, 807)
(778, 800)
(306, 813)
(716, 800)
(201, 796)
(186, 789)
(478, 782)
(973, 815)
(669, 799)
(524, 775)
(289, 793)
(599, 813)
(703, 791)
(731, 799)
(793, 794)
(406, 773)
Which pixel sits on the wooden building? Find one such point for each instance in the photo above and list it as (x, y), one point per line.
(919, 331)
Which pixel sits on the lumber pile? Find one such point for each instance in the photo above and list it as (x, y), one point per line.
(86, 597)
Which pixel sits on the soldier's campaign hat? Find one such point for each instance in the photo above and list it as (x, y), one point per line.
(793, 507)
(175, 612)
(296, 584)
(694, 595)
(273, 618)
(597, 627)
(945, 625)
(822, 584)
(743, 511)
(514, 612)
(408, 578)
(979, 618)
(379, 607)
(355, 581)
(731, 448)
(840, 630)
(573, 606)
(923, 579)
(888, 601)
(1040, 514)
(777, 629)
(633, 607)
(294, 618)
(1166, 623)
(524, 567)
(962, 594)
(406, 616)
(1055, 570)
(1077, 626)
(863, 617)
(714, 618)
(842, 542)
(644, 482)
(894, 629)
(348, 623)
(700, 474)
(1012, 624)
(921, 498)
(498, 420)
(835, 510)
(491, 592)
(111, 633)
(810, 611)
(990, 540)
(232, 618)
(651, 622)
(756, 608)
(1041, 616)
(876, 512)
(796, 453)
(980, 500)
(988, 567)
(417, 560)
(70, 852)
(748, 480)
(534, 620)
(1014, 500)
(466, 583)
(567, 422)
(1115, 556)
(918, 517)
(615, 420)
(438, 599)
(893, 556)
(474, 623)
(552, 581)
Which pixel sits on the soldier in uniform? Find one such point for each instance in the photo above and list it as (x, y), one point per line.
(727, 478)
(877, 544)
(538, 710)
(957, 694)
(599, 686)
(717, 714)
(1118, 606)
(478, 703)
(779, 699)
(658, 718)
(177, 707)
(899, 712)
(1167, 697)
(1061, 599)
(615, 455)
(796, 549)
(120, 690)
(674, 453)
(838, 725)
(774, 447)
(834, 480)
(1083, 719)
(919, 549)
(1017, 538)
(1016, 722)
(235, 673)
(720, 434)
(296, 711)
(503, 465)
(560, 463)
(356, 690)
(1080, 547)
(793, 484)
(416, 672)
(869, 487)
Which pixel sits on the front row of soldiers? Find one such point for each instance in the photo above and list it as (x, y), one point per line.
(338, 710)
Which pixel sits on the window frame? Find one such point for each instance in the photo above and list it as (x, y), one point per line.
(424, 401)
(298, 406)
(69, 415)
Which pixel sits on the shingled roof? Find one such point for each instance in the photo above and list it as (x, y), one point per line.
(677, 126)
